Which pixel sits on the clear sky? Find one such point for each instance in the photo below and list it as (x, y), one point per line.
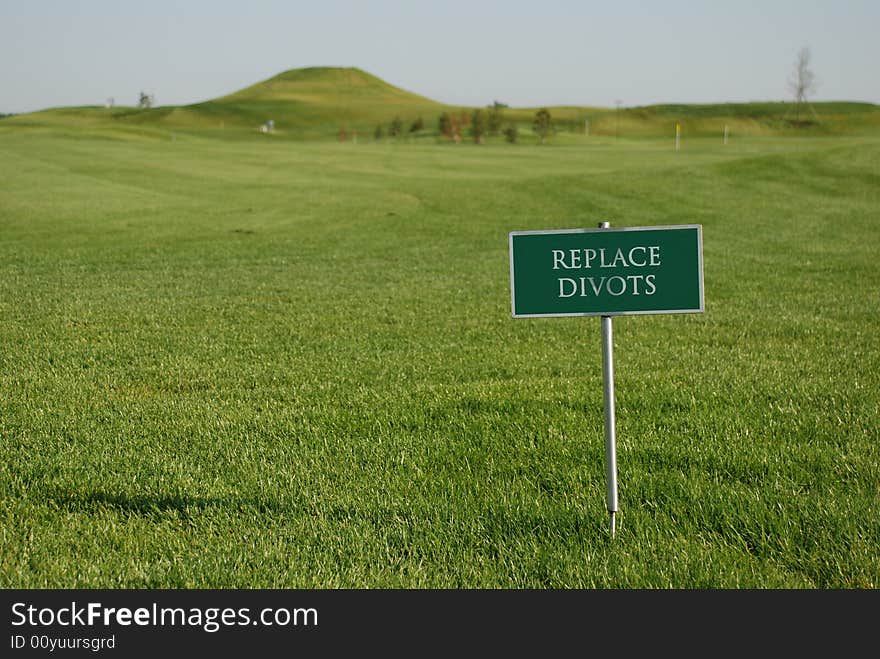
(542, 52)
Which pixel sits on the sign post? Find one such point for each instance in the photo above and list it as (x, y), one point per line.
(608, 399)
(607, 272)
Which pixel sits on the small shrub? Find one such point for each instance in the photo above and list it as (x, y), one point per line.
(478, 125)
(543, 124)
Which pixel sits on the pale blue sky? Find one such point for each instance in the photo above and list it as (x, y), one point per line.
(542, 52)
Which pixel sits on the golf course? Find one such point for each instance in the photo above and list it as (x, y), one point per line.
(240, 356)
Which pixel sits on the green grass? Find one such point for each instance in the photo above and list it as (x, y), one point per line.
(264, 363)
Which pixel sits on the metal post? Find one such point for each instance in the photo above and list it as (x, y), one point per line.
(610, 440)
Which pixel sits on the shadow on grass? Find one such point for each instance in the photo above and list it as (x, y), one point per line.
(146, 505)
(498, 525)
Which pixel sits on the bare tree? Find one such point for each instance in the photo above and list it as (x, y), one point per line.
(802, 81)
(146, 100)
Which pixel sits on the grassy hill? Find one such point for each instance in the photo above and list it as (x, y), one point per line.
(311, 102)
(697, 120)
(322, 102)
(308, 103)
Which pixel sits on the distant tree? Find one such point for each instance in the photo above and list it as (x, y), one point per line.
(478, 126)
(459, 124)
(396, 127)
(450, 125)
(802, 81)
(444, 124)
(379, 133)
(511, 133)
(496, 117)
(543, 124)
(145, 100)
(417, 125)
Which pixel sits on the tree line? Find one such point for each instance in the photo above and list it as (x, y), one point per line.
(477, 125)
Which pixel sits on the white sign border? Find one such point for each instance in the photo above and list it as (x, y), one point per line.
(665, 227)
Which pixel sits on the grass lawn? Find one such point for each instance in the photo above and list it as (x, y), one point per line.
(259, 363)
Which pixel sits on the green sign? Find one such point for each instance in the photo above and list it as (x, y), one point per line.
(607, 272)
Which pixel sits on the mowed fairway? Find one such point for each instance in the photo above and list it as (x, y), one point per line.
(257, 363)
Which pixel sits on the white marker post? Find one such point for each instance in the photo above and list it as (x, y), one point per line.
(610, 439)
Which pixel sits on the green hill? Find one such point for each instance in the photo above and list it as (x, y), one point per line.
(329, 102)
(761, 118)
(316, 102)
(311, 102)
